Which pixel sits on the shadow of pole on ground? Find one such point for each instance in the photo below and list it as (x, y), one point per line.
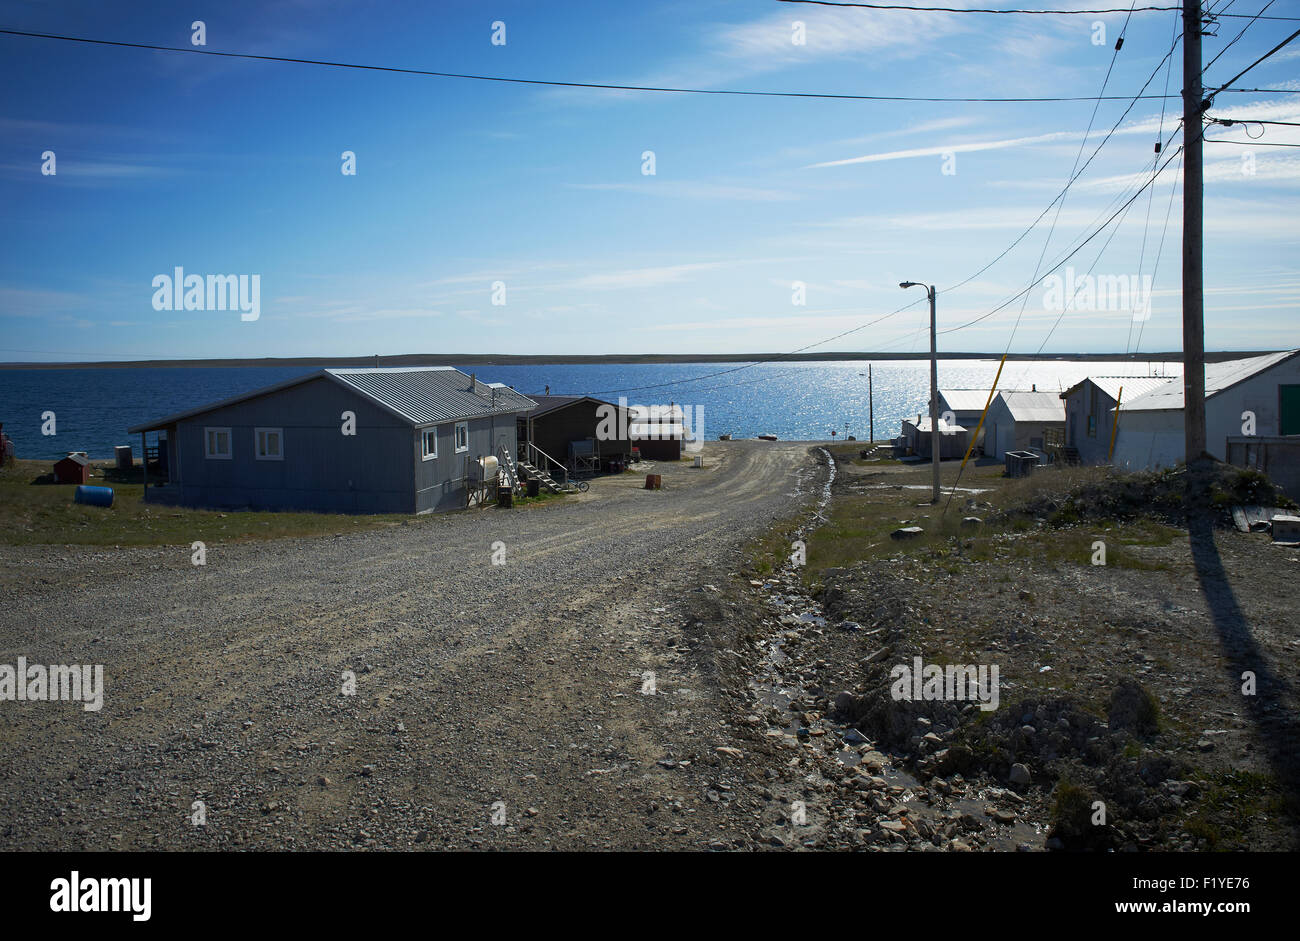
(1269, 709)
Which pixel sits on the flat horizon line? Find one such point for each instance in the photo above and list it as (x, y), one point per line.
(577, 359)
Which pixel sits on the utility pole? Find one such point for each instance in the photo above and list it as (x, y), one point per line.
(1193, 193)
(934, 386)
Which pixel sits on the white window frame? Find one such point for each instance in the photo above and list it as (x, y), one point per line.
(257, 444)
(460, 448)
(211, 455)
(426, 435)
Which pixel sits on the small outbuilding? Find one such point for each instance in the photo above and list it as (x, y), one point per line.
(73, 469)
(1020, 421)
(1090, 413)
(570, 429)
(953, 439)
(658, 432)
(966, 406)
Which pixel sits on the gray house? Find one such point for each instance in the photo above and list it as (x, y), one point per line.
(404, 440)
(1090, 413)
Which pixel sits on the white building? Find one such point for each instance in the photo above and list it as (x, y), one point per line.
(1255, 396)
(966, 405)
(1020, 420)
(1090, 412)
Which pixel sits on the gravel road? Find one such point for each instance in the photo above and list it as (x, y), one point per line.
(512, 691)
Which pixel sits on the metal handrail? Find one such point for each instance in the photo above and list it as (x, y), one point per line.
(534, 449)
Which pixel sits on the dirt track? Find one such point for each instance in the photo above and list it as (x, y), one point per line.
(475, 683)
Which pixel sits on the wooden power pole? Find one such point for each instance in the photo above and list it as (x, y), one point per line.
(1193, 193)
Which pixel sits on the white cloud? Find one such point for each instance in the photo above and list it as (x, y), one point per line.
(949, 148)
(683, 189)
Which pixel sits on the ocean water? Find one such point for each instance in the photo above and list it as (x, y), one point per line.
(795, 401)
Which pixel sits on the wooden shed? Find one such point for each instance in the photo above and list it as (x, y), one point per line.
(564, 425)
(73, 469)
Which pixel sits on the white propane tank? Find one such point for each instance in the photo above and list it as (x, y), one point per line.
(489, 465)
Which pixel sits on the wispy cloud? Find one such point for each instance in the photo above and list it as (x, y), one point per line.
(642, 277)
(683, 189)
(965, 147)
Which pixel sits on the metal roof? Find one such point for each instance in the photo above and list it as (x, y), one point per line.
(1032, 406)
(656, 413)
(1219, 377)
(427, 396)
(945, 428)
(550, 403)
(1133, 386)
(421, 395)
(964, 400)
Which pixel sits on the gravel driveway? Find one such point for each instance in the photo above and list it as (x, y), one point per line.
(481, 690)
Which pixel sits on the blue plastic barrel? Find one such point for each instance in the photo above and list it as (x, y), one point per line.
(94, 496)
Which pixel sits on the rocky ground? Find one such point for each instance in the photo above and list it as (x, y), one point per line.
(576, 696)
(647, 670)
(1121, 684)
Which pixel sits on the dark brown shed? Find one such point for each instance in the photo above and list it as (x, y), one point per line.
(73, 469)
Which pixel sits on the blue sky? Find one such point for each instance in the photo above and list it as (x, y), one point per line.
(225, 166)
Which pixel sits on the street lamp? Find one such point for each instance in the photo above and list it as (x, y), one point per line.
(934, 386)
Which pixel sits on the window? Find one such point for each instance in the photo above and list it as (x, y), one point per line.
(268, 444)
(216, 443)
(428, 444)
(462, 436)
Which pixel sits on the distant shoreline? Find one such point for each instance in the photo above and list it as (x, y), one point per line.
(513, 359)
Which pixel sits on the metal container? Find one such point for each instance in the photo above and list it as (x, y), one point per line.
(93, 496)
(123, 454)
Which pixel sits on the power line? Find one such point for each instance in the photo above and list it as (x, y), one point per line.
(1070, 182)
(1246, 143)
(917, 9)
(1234, 39)
(1228, 121)
(1119, 44)
(1160, 251)
(603, 86)
(1151, 195)
(1015, 297)
(1132, 101)
(759, 362)
(1274, 50)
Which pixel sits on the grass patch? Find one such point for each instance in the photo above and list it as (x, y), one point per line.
(859, 528)
(46, 515)
(1230, 799)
